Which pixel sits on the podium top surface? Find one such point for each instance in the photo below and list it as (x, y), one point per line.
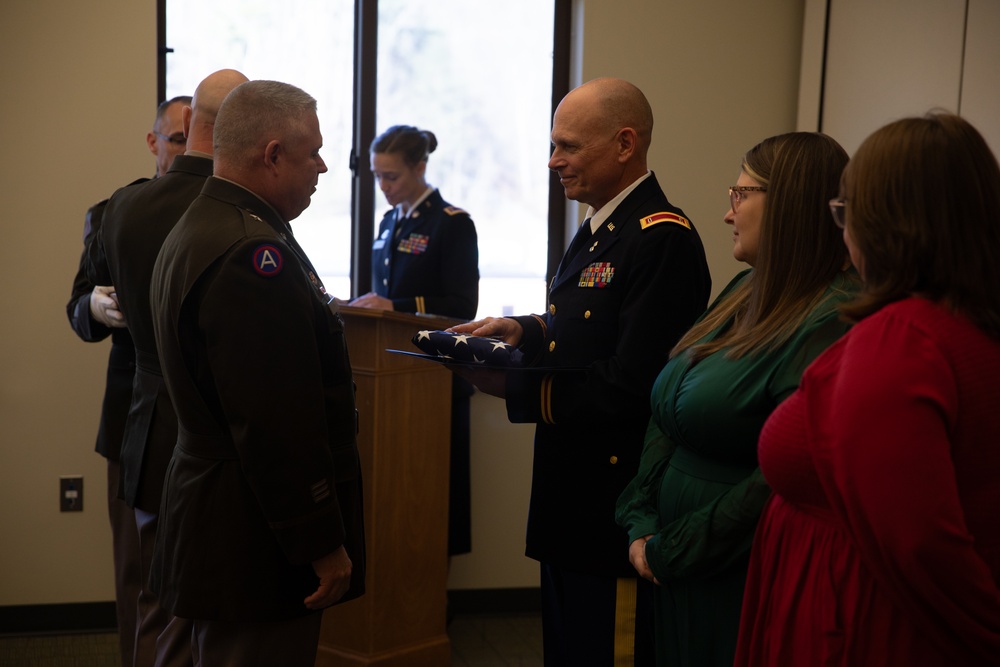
(370, 332)
(418, 320)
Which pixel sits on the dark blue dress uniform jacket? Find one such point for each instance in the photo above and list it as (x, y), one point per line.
(265, 477)
(428, 262)
(615, 310)
(135, 222)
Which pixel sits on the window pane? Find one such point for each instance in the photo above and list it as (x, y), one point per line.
(479, 78)
(479, 75)
(308, 43)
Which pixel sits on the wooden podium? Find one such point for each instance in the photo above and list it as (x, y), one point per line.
(404, 404)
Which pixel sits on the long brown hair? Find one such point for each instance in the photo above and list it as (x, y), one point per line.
(800, 252)
(923, 209)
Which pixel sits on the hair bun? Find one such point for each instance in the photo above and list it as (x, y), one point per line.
(432, 141)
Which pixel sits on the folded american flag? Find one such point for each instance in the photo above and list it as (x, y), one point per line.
(471, 349)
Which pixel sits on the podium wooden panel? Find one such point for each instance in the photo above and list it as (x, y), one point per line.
(404, 406)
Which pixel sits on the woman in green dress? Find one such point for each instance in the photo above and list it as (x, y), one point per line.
(691, 511)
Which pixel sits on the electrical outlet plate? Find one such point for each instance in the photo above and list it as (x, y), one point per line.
(71, 493)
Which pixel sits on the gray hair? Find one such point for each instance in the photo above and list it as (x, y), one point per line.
(256, 112)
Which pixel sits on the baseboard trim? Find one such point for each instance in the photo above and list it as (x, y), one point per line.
(495, 601)
(60, 619)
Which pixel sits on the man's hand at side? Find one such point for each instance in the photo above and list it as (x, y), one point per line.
(334, 572)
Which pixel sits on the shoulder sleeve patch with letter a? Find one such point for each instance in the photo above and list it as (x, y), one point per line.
(267, 260)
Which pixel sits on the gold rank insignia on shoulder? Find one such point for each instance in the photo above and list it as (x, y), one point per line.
(453, 210)
(665, 216)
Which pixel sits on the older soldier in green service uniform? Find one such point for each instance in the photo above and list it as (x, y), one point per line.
(261, 524)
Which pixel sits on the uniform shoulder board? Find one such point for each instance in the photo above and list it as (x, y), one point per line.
(453, 210)
(665, 216)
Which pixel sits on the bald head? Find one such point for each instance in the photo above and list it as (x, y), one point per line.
(615, 104)
(600, 136)
(200, 118)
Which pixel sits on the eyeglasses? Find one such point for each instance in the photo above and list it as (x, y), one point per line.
(177, 138)
(736, 195)
(838, 209)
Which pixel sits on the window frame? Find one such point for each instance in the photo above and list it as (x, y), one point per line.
(363, 183)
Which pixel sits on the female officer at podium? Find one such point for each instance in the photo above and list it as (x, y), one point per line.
(425, 260)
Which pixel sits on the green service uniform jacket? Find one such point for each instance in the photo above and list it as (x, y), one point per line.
(265, 477)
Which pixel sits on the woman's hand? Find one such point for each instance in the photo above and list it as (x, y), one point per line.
(637, 556)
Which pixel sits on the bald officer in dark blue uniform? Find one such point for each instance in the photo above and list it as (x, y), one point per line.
(631, 283)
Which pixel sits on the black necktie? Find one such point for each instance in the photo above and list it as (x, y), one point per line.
(580, 241)
(398, 224)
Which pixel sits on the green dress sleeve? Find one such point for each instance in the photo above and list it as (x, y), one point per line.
(636, 509)
(711, 539)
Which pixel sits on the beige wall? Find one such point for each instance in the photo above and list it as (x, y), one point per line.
(720, 75)
(959, 74)
(78, 94)
(79, 89)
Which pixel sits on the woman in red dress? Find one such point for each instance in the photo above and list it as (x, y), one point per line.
(881, 543)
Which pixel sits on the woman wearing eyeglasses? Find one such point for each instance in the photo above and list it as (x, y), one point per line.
(691, 511)
(881, 545)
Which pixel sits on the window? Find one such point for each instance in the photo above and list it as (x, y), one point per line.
(308, 44)
(479, 75)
